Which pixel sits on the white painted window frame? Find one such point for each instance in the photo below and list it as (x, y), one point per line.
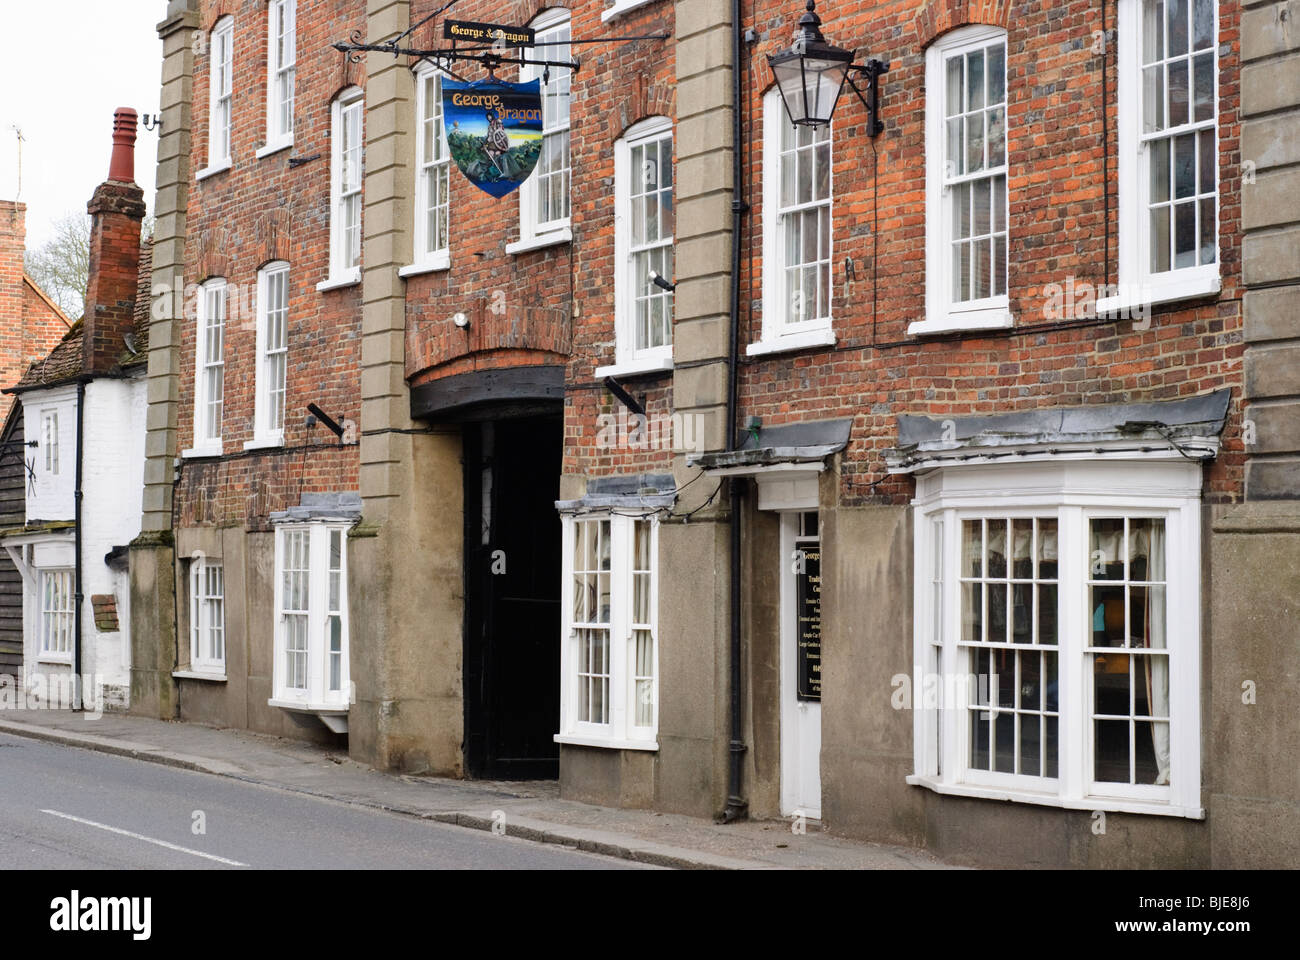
(61, 651)
(1073, 493)
(203, 623)
(221, 64)
(534, 235)
(778, 333)
(204, 444)
(277, 137)
(942, 314)
(621, 733)
(265, 432)
(316, 696)
(50, 441)
(342, 273)
(627, 358)
(1137, 285)
(427, 260)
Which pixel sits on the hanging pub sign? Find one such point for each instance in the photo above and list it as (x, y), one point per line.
(488, 33)
(494, 131)
(808, 629)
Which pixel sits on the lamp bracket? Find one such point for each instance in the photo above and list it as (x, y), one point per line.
(872, 71)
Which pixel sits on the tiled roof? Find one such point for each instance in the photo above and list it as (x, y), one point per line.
(64, 362)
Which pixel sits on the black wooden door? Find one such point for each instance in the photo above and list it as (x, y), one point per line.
(512, 655)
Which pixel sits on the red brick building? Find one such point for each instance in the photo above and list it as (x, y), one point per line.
(731, 467)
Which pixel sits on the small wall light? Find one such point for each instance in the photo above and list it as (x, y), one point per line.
(661, 283)
(461, 320)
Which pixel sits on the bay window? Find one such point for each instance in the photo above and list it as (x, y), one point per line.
(544, 197)
(609, 654)
(1168, 152)
(797, 225)
(966, 182)
(643, 240)
(1057, 637)
(311, 631)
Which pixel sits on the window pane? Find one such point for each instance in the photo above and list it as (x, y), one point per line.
(961, 272)
(1177, 75)
(1112, 751)
(997, 137)
(980, 269)
(1160, 239)
(997, 74)
(954, 99)
(975, 142)
(999, 265)
(1005, 731)
(822, 184)
(956, 148)
(1159, 153)
(1203, 30)
(1208, 160)
(961, 200)
(1184, 235)
(1208, 252)
(1176, 20)
(1153, 31)
(972, 548)
(1153, 99)
(975, 80)
(1203, 69)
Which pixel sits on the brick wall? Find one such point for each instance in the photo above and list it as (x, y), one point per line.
(528, 300)
(13, 295)
(1057, 133)
(258, 211)
(1062, 142)
(30, 325)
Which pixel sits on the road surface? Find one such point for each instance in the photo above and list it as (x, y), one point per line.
(66, 808)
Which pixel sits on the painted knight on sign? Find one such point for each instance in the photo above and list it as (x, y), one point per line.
(494, 131)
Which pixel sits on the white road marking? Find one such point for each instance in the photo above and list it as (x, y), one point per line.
(140, 836)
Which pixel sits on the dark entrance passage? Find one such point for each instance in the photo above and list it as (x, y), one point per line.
(512, 616)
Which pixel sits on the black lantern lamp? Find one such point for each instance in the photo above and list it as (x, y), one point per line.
(812, 73)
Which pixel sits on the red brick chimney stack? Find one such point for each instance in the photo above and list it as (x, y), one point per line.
(13, 356)
(116, 211)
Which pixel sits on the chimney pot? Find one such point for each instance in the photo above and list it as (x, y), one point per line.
(122, 166)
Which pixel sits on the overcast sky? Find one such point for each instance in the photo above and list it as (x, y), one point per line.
(68, 65)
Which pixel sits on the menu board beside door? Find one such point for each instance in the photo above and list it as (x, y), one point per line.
(808, 627)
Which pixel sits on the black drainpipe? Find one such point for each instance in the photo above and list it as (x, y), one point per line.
(736, 804)
(77, 598)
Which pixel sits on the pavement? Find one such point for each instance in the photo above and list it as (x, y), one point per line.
(529, 810)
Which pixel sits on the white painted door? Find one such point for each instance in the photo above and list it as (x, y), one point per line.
(801, 710)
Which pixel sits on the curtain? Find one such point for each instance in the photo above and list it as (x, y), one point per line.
(1158, 665)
